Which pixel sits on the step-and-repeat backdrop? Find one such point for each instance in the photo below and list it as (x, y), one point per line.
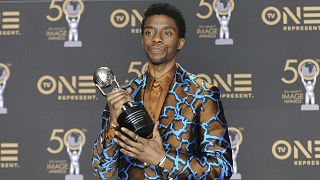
(50, 111)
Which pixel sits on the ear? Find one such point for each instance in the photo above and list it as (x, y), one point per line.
(142, 42)
(181, 43)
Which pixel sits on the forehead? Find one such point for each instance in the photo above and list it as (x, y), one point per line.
(160, 21)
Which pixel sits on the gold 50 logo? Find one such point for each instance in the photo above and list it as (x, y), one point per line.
(293, 67)
(59, 140)
(207, 8)
(305, 18)
(57, 9)
(121, 18)
(60, 137)
(78, 88)
(306, 153)
(55, 14)
(292, 75)
(234, 85)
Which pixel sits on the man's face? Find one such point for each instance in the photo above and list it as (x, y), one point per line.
(160, 39)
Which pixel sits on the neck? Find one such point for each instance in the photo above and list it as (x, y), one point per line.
(159, 70)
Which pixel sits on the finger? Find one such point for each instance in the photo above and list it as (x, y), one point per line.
(125, 152)
(129, 90)
(115, 94)
(133, 135)
(115, 91)
(126, 147)
(155, 132)
(117, 98)
(127, 140)
(120, 102)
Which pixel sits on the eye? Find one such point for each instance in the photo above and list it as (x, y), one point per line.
(167, 33)
(148, 33)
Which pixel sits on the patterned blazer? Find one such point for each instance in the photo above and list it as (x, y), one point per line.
(193, 129)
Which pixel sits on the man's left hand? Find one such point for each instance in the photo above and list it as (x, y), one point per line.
(146, 150)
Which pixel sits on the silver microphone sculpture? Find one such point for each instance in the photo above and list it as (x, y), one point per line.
(133, 117)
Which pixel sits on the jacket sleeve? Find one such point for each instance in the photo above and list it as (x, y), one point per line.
(105, 152)
(214, 157)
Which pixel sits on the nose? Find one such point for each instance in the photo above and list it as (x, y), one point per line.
(157, 38)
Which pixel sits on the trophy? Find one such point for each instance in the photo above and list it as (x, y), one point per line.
(309, 70)
(73, 9)
(223, 13)
(132, 117)
(4, 75)
(235, 136)
(74, 143)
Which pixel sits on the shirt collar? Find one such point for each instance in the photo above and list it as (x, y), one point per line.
(164, 80)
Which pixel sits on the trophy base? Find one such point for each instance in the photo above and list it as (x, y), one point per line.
(3, 111)
(224, 41)
(136, 119)
(74, 177)
(72, 44)
(236, 176)
(309, 107)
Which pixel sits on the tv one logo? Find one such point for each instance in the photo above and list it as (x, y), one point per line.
(10, 23)
(233, 85)
(121, 18)
(304, 153)
(9, 155)
(306, 18)
(75, 88)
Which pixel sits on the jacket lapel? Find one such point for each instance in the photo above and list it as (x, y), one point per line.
(174, 101)
(138, 85)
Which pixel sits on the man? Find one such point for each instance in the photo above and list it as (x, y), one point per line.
(190, 138)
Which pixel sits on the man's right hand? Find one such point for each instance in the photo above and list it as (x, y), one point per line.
(115, 99)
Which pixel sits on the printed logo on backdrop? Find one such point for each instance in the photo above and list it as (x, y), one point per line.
(71, 88)
(236, 139)
(65, 149)
(4, 76)
(9, 155)
(70, 11)
(231, 85)
(297, 152)
(300, 77)
(221, 10)
(127, 19)
(293, 18)
(10, 23)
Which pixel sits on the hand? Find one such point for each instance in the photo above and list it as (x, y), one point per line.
(146, 150)
(115, 99)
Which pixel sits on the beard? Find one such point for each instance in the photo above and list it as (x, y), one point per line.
(159, 59)
(156, 60)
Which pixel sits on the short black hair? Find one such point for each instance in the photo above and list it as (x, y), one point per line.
(168, 10)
